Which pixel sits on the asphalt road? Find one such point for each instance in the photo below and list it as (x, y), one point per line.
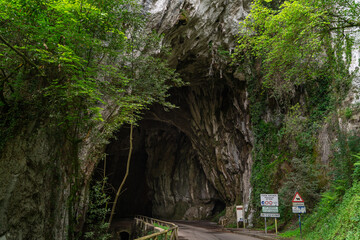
(206, 231)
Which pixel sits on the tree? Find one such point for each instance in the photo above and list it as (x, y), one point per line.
(299, 53)
(75, 56)
(62, 61)
(66, 59)
(299, 41)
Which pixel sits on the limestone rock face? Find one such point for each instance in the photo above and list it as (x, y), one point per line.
(166, 179)
(213, 110)
(197, 156)
(201, 164)
(205, 158)
(179, 188)
(188, 163)
(32, 193)
(197, 31)
(36, 174)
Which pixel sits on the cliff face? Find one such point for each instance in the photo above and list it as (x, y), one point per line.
(33, 194)
(192, 171)
(213, 117)
(188, 163)
(37, 177)
(197, 157)
(213, 167)
(213, 108)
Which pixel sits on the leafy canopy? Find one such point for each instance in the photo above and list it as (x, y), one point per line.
(69, 58)
(298, 40)
(296, 56)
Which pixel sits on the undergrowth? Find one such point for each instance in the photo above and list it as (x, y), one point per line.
(334, 218)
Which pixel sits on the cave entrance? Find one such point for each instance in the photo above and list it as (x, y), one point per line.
(218, 208)
(124, 236)
(134, 197)
(165, 180)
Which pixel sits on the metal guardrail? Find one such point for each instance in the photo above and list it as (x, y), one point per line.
(171, 233)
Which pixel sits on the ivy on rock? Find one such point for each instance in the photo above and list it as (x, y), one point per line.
(299, 53)
(62, 62)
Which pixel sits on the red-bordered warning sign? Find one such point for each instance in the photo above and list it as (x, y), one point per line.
(297, 198)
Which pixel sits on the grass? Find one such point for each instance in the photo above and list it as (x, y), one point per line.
(290, 233)
(333, 222)
(231, 225)
(161, 226)
(218, 216)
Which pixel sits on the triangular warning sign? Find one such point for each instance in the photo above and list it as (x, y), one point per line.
(297, 198)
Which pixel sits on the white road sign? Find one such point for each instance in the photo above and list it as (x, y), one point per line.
(270, 209)
(295, 204)
(269, 200)
(240, 213)
(299, 209)
(271, 215)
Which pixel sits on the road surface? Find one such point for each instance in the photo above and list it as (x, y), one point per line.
(206, 231)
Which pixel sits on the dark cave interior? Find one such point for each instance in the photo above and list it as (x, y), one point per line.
(164, 174)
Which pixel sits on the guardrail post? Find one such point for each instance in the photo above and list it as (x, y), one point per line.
(170, 233)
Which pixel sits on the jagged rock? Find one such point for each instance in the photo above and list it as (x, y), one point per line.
(211, 161)
(215, 105)
(195, 157)
(32, 192)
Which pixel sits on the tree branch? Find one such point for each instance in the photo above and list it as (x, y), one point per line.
(12, 73)
(7, 77)
(345, 26)
(125, 177)
(344, 23)
(2, 97)
(21, 55)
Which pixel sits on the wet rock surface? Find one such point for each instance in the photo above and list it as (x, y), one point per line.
(198, 154)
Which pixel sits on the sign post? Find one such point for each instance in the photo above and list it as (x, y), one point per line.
(270, 208)
(298, 207)
(265, 226)
(300, 225)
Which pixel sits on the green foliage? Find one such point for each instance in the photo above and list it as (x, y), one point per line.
(299, 53)
(337, 214)
(97, 225)
(353, 143)
(64, 61)
(335, 218)
(231, 225)
(356, 174)
(348, 113)
(161, 226)
(223, 52)
(294, 42)
(342, 162)
(301, 179)
(290, 233)
(282, 37)
(218, 216)
(79, 55)
(330, 198)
